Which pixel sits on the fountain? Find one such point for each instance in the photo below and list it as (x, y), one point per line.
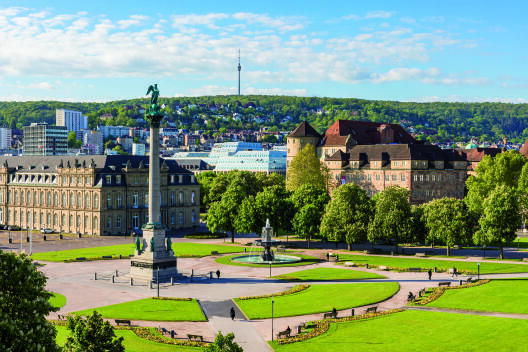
(267, 256)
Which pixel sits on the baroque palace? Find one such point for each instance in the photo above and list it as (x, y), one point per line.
(94, 195)
(377, 155)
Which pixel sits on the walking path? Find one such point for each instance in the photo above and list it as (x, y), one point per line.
(76, 282)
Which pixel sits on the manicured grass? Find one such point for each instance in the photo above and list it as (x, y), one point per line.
(328, 274)
(419, 331)
(132, 342)
(443, 265)
(57, 300)
(507, 296)
(151, 309)
(307, 260)
(318, 299)
(180, 249)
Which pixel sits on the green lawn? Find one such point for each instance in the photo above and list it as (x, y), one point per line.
(507, 296)
(132, 342)
(318, 299)
(180, 249)
(419, 331)
(151, 309)
(307, 260)
(328, 274)
(57, 300)
(403, 263)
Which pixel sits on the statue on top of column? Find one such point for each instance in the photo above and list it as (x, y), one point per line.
(153, 113)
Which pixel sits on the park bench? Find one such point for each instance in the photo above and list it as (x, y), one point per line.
(330, 315)
(415, 269)
(469, 279)
(214, 252)
(285, 333)
(420, 254)
(163, 331)
(372, 309)
(122, 321)
(195, 337)
(410, 297)
(383, 267)
(300, 328)
(107, 257)
(80, 259)
(444, 283)
(61, 317)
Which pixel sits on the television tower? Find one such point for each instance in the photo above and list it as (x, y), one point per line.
(239, 68)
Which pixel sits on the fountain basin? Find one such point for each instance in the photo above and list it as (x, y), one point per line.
(257, 259)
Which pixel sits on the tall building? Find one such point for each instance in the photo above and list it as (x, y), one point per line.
(72, 120)
(114, 131)
(5, 138)
(43, 139)
(95, 195)
(239, 68)
(93, 140)
(375, 156)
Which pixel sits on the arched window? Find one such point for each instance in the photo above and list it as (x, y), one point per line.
(28, 196)
(96, 202)
(87, 201)
(71, 221)
(41, 198)
(109, 222)
(55, 219)
(16, 197)
(41, 218)
(63, 220)
(22, 218)
(86, 221)
(49, 198)
(1, 196)
(22, 198)
(146, 200)
(78, 221)
(48, 219)
(180, 198)
(64, 200)
(173, 199)
(173, 218)
(193, 200)
(95, 223)
(79, 200)
(55, 199)
(71, 200)
(35, 198)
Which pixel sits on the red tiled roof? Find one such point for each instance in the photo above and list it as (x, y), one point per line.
(477, 154)
(364, 132)
(524, 149)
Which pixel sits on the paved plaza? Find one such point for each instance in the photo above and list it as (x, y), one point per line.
(76, 282)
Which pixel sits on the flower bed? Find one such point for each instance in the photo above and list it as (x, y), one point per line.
(322, 326)
(295, 289)
(172, 299)
(439, 291)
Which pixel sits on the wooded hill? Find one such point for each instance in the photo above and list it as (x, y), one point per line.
(437, 122)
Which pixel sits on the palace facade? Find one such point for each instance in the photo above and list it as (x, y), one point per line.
(94, 195)
(375, 156)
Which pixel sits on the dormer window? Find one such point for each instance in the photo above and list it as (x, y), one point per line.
(108, 179)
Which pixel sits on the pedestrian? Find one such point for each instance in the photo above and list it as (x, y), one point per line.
(454, 272)
(218, 274)
(429, 274)
(334, 312)
(288, 331)
(327, 257)
(337, 257)
(232, 313)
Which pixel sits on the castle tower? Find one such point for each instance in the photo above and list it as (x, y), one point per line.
(239, 68)
(303, 134)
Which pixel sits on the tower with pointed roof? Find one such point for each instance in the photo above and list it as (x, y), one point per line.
(302, 135)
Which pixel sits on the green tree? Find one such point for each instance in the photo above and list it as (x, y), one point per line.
(347, 216)
(305, 168)
(24, 306)
(522, 191)
(92, 334)
(205, 179)
(309, 194)
(445, 220)
(264, 180)
(503, 169)
(224, 344)
(501, 217)
(72, 140)
(419, 231)
(307, 221)
(273, 203)
(392, 219)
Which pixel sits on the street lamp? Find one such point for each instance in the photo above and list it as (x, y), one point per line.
(272, 302)
(478, 271)
(270, 267)
(484, 251)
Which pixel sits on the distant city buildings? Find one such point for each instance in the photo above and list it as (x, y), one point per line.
(93, 141)
(5, 138)
(138, 149)
(72, 120)
(114, 131)
(44, 139)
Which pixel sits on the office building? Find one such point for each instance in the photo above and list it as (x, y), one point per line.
(43, 139)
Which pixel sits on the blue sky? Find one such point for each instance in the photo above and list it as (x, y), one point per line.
(387, 50)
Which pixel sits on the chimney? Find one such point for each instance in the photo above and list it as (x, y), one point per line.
(386, 134)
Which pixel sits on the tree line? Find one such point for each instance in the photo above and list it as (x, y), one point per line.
(495, 205)
(436, 122)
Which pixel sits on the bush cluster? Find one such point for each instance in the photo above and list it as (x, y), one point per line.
(172, 299)
(439, 291)
(322, 326)
(295, 289)
(203, 235)
(148, 334)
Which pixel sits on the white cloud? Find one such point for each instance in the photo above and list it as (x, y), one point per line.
(132, 21)
(218, 90)
(457, 98)
(379, 14)
(283, 24)
(40, 85)
(194, 19)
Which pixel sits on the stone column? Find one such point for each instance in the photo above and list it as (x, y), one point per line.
(154, 175)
